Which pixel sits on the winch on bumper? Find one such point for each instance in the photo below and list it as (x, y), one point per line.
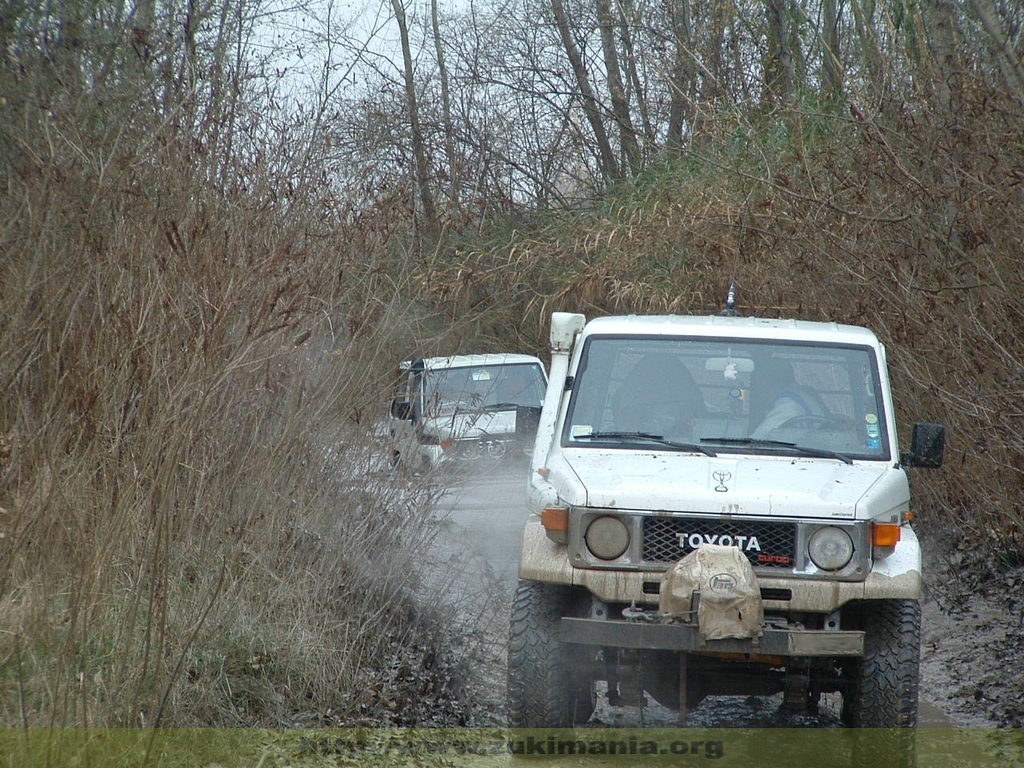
(710, 602)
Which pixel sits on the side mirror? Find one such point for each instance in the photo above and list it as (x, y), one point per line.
(926, 446)
(401, 409)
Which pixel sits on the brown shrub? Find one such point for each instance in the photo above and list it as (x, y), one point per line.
(196, 529)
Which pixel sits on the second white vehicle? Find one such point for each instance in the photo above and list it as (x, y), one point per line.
(465, 406)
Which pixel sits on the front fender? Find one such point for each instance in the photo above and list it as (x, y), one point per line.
(541, 559)
(897, 576)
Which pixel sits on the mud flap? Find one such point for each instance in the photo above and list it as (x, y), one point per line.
(717, 584)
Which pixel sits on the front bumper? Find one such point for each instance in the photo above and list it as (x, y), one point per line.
(679, 637)
(897, 577)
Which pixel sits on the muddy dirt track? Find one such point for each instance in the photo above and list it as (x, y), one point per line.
(973, 637)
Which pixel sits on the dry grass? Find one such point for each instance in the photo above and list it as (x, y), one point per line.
(196, 529)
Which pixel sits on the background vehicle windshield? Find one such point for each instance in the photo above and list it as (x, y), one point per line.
(495, 387)
(734, 394)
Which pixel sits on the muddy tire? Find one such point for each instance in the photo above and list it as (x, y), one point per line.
(546, 688)
(882, 687)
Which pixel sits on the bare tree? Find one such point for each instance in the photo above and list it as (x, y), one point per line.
(831, 54)
(871, 55)
(1009, 62)
(591, 107)
(523, 110)
(454, 165)
(620, 105)
(714, 49)
(419, 152)
(944, 44)
(638, 82)
(779, 73)
(682, 74)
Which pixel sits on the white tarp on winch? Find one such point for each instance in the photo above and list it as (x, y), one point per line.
(730, 599)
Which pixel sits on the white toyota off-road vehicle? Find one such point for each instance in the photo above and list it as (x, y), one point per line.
(465, 407)
(720, 507)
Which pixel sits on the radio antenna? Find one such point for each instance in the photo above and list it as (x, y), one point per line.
(730, 303)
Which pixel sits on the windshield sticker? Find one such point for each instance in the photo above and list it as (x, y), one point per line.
(874, 432)
(481, 375)
(582, 430)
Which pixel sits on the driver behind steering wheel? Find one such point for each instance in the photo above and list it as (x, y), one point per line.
(789, 399)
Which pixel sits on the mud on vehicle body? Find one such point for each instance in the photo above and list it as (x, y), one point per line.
(465, 407)
(719, 507)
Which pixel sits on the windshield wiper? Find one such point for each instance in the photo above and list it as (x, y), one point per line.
(660, 439)
(821, 453)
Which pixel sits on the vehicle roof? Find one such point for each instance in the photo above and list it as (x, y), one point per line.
(718, 325)
(468, 361)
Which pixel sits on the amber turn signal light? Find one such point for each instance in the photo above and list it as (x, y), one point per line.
(556, 523)
(885, 534)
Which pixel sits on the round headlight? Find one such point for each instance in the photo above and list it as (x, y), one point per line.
(607, 537)
(830, 548)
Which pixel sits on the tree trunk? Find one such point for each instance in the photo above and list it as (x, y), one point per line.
(141, 35)
(779, 71)
(620, 105)
(454, 166)
(681, 80)
(871, 54)
(713, 70)
(714, 76)
(1009, 63)
(419, 152)
(627, 16)
(943, 42)
(831, 62)
(609, 165)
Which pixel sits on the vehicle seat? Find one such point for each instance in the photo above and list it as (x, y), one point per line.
(658, 396)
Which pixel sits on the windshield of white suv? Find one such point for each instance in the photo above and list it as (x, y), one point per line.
(485, 387)
(728, 396)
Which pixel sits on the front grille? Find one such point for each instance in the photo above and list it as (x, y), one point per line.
(766, 544)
